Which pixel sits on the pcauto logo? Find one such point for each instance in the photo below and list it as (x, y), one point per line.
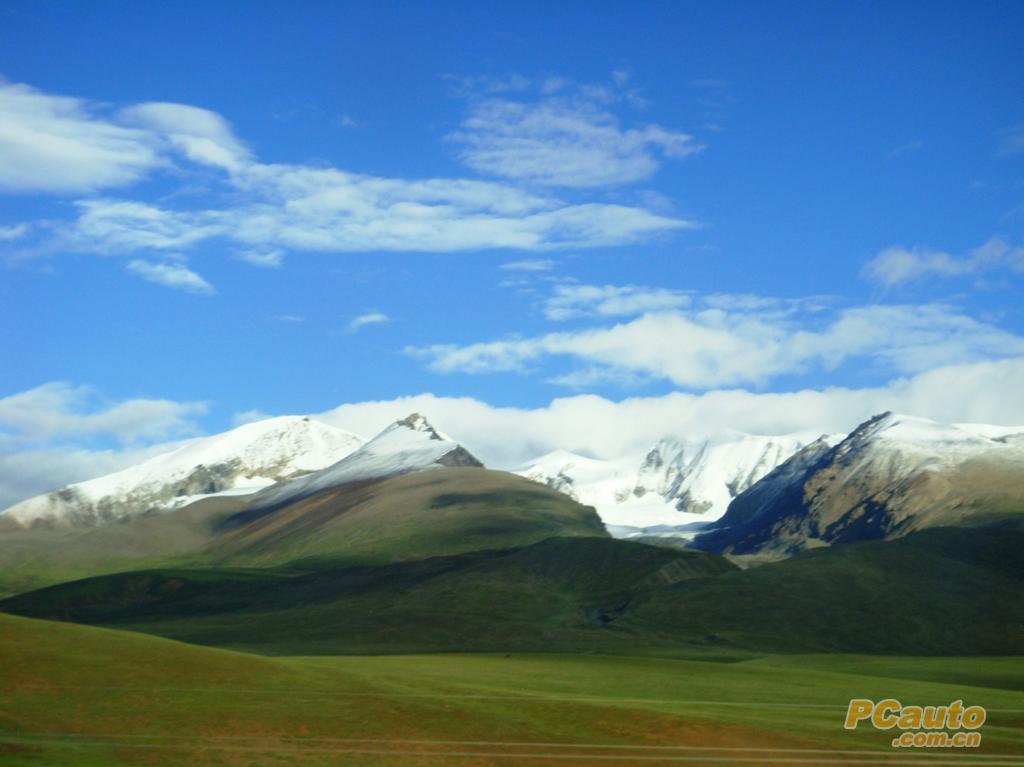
(951, 726)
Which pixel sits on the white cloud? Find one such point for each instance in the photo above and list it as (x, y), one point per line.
(54, 143)
(14, 232)
(611, 300)
(504, 437)
(268, 259)
(702, 347)
(31, 472)
(249, 416)
(171, 275)
(566, 138)
(123, 226)
(983, 392)
(341, 214)
(60, 144)
(58, 411)
(529, 265)
(46, 435)
(370, 318)
(897, 265)
(201, 135)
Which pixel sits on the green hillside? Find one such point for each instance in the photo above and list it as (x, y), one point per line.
(563, 593)
(445, 511)
(940, 591)
(408, 517)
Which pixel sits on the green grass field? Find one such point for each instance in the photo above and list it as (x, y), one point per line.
(76, 695)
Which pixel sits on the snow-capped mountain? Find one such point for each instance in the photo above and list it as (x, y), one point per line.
(677, 486)
(892, 475)
(408, 445)
(240, 461)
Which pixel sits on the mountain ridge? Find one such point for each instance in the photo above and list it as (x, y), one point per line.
(892, 475)
(242, 460)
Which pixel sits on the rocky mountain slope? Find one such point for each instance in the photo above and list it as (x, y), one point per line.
(240, 461)
(892, 475)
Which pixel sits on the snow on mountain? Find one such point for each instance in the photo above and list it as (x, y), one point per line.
(240, 461)
(677, 487)
(408, 445)
(891, 475)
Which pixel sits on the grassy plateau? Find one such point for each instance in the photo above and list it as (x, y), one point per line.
(78, 695)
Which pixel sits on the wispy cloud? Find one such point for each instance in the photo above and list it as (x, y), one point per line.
(1010, 141)
(370, 318)
(529, 265)
(266, 259)
(14, 232)
(60, 144)
(911, 146)
(564, 136)
(248, 416)
(897, 265)
(570, 301)
(171, 275)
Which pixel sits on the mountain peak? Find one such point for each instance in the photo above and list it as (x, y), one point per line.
(417, 422)
(409, 444)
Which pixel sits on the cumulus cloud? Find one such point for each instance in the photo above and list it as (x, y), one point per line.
(503, 437)
(566, 137)
(58, 144)
(60, 411)
(610, 300)
(370, 318)
(897, 265)
(506, 437)
(171, 275)
(704, 347)
(32, 472)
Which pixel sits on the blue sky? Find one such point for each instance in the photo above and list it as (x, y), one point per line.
(214, 210)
